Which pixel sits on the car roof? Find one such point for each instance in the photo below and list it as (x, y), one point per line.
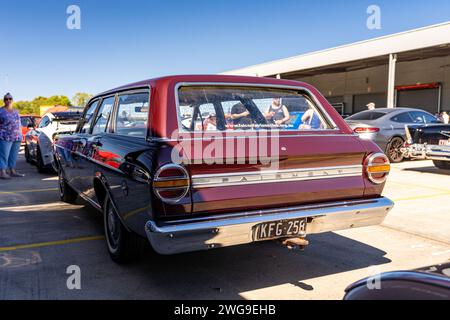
(204, 78)
(390, 110)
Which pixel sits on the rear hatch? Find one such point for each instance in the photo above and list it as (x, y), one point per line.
(310, 170)
(230, 133)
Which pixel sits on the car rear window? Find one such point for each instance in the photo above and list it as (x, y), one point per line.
(367, 115)
(234, 108)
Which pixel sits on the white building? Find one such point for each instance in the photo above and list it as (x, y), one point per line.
(408, 69)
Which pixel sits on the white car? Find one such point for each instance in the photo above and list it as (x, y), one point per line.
(39, 142)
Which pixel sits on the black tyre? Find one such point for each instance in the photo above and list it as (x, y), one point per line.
(41, 168)
(445, 165)
(393, 151)
(66, 193)
(27, 155)
(123, 246)
(54, 168)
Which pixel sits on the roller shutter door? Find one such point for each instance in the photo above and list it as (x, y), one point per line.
(360, 101)
(425, 99)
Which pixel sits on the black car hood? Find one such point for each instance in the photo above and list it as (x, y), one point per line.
(430, 134)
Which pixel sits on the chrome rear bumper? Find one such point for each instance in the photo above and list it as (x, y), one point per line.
(235, 229)
(427, 152)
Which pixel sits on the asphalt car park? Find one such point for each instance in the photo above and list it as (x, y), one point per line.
(40, 237)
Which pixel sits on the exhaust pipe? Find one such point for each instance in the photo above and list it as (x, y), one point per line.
(295, 243)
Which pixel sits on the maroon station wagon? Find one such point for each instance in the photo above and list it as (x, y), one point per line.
(209, 161)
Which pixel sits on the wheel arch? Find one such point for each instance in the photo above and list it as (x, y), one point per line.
(388, 145)
(392, 138)
(101, 189)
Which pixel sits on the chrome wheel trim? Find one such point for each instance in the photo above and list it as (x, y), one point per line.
(112, 228)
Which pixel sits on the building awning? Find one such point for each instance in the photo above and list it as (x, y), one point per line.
(411, 45)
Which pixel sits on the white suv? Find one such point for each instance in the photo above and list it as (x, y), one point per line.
(39, 142)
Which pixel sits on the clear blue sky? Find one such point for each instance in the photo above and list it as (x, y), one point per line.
(125, 41)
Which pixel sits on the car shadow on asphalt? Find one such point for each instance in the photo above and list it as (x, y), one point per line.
(429, 169)
(225, 273)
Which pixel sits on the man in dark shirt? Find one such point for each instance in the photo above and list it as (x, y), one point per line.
(241, 117)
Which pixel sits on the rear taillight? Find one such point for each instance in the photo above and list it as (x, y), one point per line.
(171, 183)
(377, 167)
(362, 130)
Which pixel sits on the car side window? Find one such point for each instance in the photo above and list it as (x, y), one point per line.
(44, 122)
(132, 115)
(404, 117)
(25, 122)
(88, 117)
(103, 115)
(422, 117)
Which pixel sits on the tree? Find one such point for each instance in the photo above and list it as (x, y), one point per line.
(81, 99)
(26, 107)
(33, 107)
(54, 101)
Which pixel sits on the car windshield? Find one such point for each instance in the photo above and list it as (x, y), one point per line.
(367, 115)
(228, 108)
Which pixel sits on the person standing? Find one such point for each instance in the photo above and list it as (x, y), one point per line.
(371, 106)
(445, 117)
(10, 139)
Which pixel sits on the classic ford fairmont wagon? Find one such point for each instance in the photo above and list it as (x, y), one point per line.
(202, 162)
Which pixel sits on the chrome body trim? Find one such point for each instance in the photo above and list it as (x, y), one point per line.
(325, 134)
(157, 178)
(370, 163)
(427, 152)
(277, 176)
(234, 229)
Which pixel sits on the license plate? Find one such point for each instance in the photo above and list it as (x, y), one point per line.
(444, 142)
(280, 229)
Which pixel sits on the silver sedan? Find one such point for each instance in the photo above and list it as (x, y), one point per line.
(386, 127)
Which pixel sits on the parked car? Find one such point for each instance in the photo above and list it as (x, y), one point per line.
(155, 175)
(28, 122)
(386, 127)
(429, 143)
(39, 141)
(430, 283)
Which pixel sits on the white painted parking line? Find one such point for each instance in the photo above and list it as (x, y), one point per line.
(50, 243)
(50, 179)
(29, 191)
(39, 207)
